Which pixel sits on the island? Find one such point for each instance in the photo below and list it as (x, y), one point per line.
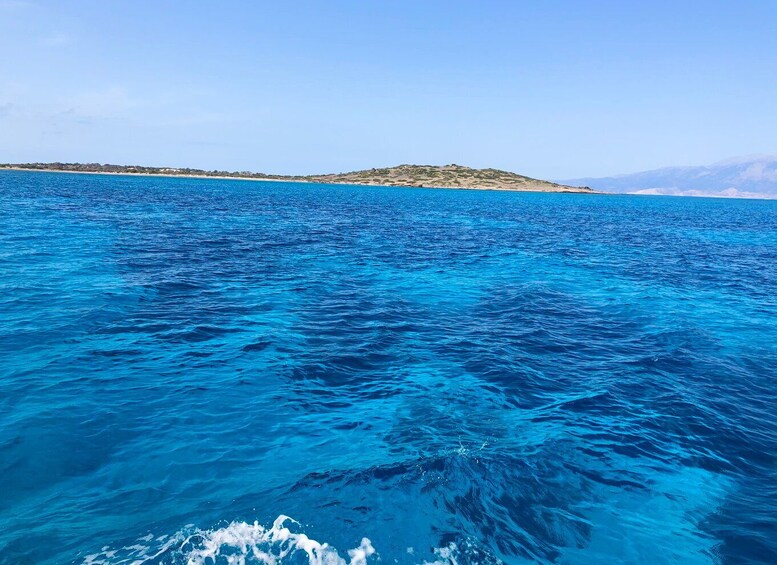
(421, 176)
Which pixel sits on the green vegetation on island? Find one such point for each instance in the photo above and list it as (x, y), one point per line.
(427, 176)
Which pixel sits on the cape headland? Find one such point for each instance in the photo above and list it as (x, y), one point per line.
(425, 176)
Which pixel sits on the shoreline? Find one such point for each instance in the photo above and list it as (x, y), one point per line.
(291, 180)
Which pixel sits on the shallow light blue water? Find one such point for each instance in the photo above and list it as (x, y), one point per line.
(466, 375)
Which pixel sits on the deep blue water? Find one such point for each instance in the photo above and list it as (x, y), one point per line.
(497, 376)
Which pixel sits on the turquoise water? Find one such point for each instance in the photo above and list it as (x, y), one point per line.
(412, 375)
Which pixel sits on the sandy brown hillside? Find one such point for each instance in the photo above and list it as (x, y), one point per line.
(447, 176)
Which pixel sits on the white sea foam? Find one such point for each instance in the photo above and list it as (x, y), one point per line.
(239, 543)
(243, 543)
(445, 555)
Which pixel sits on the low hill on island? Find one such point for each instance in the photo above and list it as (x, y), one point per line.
(428, 176)
(447, 176)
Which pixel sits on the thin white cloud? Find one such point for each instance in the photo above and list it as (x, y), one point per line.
(57, 40)
(15, 5)
(109, 102)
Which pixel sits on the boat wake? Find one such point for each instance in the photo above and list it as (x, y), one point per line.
(239, 543)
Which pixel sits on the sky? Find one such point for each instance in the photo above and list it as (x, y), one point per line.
(551, 89)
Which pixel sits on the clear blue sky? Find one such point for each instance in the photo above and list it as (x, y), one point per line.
(552, 89)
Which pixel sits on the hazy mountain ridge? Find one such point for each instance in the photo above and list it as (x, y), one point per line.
(741, 177)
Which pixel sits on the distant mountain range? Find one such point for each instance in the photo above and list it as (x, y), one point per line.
(427, 176)
(743, 177)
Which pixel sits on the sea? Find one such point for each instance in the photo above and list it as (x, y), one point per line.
(205, 371)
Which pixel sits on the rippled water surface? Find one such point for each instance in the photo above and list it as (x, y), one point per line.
(459, 376)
